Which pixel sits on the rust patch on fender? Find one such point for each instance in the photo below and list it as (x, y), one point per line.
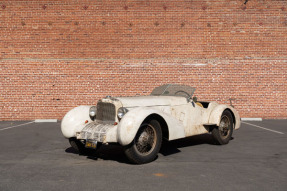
(129, 127)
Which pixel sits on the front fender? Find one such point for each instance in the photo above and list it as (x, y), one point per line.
(130, 123)
(216, 113)
(74, 120)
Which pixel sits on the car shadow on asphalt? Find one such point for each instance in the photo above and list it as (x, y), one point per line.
(104, 152)
(116, 152)
(172, 147)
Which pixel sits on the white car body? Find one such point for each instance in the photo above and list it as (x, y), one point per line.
(179, 117)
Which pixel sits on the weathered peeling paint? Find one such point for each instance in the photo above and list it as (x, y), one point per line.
(216, 113)
(146, 101)
(131, 122)
(183, 118)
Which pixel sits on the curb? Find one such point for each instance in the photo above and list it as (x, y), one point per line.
(251, 119)
(46, 120)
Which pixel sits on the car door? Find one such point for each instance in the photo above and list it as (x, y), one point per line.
(192, 116)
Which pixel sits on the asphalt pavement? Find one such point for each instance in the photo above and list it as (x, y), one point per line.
(35, 156)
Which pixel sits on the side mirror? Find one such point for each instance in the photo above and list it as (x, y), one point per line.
(194, 99)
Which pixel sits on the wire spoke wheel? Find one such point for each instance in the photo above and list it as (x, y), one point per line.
(146, 139)
(224, 127)
(146, 144)
(222, 134)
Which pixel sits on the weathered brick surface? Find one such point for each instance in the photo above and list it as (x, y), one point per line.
(55, 55)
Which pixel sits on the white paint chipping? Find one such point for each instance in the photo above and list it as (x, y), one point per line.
(46, 121)
(251, 119)
(17, 126)
(264, 128)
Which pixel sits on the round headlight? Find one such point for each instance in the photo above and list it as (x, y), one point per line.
(93, 111)
(122, 111)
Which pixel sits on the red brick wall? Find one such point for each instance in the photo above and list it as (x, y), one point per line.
(55, 55)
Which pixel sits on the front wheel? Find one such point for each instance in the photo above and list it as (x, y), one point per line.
(146, 144)
(78, 145)
(223, 133)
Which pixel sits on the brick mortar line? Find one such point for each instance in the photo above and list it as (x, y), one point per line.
(182, 59)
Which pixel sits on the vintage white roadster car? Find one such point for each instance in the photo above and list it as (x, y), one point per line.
(140, 123)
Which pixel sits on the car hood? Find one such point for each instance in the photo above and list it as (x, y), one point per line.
(145, 101)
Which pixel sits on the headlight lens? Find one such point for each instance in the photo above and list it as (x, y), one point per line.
(122, 111)
(93, 111)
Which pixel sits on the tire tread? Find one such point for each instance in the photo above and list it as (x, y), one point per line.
(134, 157)
(216, 133)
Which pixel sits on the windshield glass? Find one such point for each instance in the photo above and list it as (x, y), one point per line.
(173, 90)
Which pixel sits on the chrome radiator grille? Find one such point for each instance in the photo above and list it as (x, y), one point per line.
(106, 111)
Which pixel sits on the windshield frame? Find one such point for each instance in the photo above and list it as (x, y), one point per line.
(173, 90)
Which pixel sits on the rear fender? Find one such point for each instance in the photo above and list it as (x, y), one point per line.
(216, 113)
(131, 122)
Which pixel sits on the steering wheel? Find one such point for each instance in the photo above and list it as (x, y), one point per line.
(181, 91)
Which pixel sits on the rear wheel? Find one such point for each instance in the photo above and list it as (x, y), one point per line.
(222, 134)
(146, 144)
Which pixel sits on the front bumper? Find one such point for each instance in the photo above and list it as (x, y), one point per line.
(99, 132)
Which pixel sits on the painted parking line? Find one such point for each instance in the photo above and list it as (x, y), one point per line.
(16, 126)
(263, 128)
